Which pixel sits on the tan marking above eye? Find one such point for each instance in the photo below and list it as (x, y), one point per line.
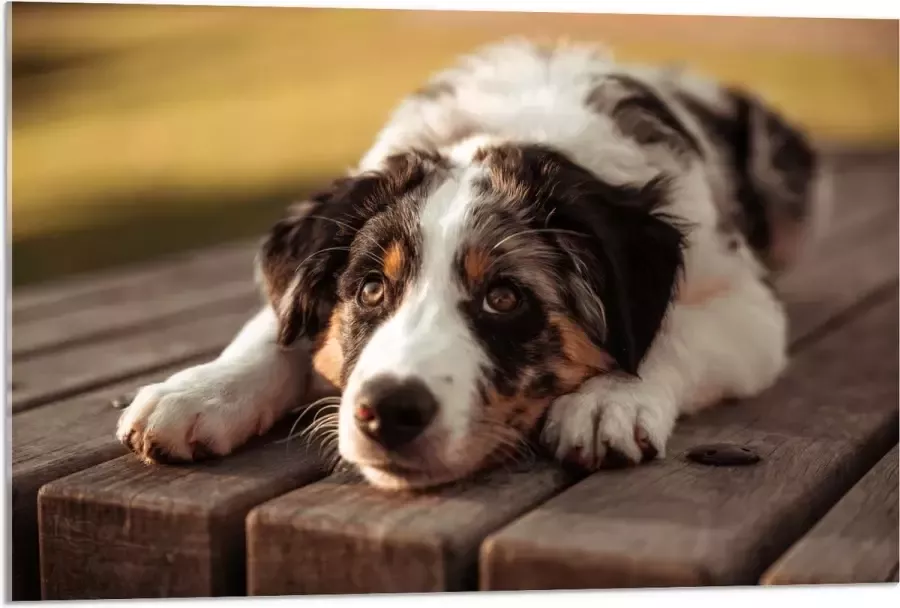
(501, 299)
(372, 292)
(394, 261)
(476, 263)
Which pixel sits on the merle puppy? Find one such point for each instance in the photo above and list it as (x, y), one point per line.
(540, 235)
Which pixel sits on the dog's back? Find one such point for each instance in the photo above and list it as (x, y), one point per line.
(766, 179)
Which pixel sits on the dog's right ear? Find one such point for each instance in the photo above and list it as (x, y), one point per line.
(303, 255)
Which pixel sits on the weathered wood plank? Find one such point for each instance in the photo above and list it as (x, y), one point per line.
(861, 253)
(353, 538)
(856, 542)
(132, 284)
(49, 443)
(107, 318)
(676, 523)
(123, 529)
(68, 371)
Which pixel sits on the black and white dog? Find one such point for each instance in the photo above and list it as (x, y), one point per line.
(540, 240)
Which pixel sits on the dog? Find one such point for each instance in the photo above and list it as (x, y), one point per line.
(541, 242)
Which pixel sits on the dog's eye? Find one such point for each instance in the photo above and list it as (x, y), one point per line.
(502, 298)
(372, 291)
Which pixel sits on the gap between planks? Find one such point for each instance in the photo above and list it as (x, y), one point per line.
(49, 443)
(128, 283)
(856, 541)
(72, 370)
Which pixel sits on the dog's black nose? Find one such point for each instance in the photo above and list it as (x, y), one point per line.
(392, 411)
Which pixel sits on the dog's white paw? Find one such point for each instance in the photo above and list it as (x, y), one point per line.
(609, 420)
(195, 414)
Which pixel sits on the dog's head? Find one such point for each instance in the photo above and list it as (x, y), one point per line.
(451, 302)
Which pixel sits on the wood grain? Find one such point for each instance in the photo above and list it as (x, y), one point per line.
(68, 371)
(49, 443)
(109, 318)
(123, 529)
(344, 536)
(856, 542)
(856, 258)
(676, 523)
(134, 283)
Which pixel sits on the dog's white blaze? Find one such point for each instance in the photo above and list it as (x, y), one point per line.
(427, 337)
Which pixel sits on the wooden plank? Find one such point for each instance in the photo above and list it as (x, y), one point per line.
(67, 371)
(51, 442)
(862, 254)
(856, 542)
(126, 530)
(677, 523)
(107, 318)
(133, 283)
(341, 535)
(859, 244)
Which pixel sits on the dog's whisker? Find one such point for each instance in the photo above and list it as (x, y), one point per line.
(353, 230)
(536, 231)
(320, 251)
(329, 401)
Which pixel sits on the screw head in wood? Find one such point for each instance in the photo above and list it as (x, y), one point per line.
(723, 455)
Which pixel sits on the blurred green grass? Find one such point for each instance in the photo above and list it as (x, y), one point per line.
(143, 130)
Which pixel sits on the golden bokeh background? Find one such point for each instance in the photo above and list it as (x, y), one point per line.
(138, 131)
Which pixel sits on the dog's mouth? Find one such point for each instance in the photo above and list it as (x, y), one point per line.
(392, 468)
(398, 475)
(393, 476)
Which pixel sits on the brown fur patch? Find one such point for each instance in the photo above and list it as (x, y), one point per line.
(476, 263)
(582, 359)
(394, 261)
(518, 412)
(578, 347)
(328, 358)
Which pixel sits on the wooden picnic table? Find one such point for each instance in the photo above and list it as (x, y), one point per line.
(90, 521)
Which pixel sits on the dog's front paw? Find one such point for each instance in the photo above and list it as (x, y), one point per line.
(609, 421)
(191, 416)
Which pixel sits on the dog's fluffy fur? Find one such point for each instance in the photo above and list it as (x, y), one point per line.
(540, 240)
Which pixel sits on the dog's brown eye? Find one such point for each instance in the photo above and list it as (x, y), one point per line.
(372, 292)
(501, 299)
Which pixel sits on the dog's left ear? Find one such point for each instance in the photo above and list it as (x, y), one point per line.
(625, 266)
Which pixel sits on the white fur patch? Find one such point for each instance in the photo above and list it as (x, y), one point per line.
(219, 405)
(427, 337)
